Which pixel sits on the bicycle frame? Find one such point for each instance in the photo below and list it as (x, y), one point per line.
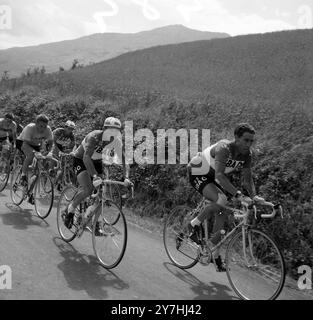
(243, 225)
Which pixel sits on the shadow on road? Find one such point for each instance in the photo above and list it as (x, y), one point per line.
(20, 218)
(83, 272)
(204, 291)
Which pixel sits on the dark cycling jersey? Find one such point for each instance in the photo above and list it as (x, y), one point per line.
(108, 152)
(201, 168)
(62, 140)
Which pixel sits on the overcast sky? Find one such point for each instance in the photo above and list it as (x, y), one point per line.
(31, 22)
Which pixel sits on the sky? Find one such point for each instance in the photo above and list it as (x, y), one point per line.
(33, 22)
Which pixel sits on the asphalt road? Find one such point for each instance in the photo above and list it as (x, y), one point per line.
(45, 267)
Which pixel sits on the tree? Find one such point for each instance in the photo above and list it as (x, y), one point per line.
(74, 64)
(43, 70)
(61, 69)
(5, 76)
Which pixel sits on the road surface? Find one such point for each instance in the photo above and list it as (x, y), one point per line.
(45, 267)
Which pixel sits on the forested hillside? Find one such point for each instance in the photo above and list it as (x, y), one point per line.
(265, 80)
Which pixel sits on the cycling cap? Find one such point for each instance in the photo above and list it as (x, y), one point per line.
(112, 122)
(70, 124)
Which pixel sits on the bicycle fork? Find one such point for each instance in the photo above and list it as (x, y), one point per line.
(246, 236)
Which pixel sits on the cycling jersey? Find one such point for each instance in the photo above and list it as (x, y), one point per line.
(62, 140)
(202, 166)
(108, 151)
(35, 138)
(7, 128)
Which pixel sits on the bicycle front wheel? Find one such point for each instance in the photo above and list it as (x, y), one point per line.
(182, 251)
(17, 190)
(43, 195)
(109, 240)
(5, 174)
(66, 197)
(255, 266)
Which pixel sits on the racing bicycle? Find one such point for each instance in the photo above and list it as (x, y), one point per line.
(255, 266)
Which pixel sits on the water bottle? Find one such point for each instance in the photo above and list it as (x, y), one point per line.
(90, 210)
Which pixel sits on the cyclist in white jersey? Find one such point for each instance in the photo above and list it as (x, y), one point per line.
(208, 175)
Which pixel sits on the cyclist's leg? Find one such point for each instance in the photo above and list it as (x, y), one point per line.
(29, 156)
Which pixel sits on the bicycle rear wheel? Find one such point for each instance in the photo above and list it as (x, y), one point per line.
(182, 251)
(43, 195)
(4, 175)
(109, 240)
(255, 266)
(66, 197)
(17, 190)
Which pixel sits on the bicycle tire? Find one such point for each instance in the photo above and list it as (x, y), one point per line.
(43, 214)
(15, 185)
(111, 234)
(4, 180)
(263, 259)
(182, 251)
(66, 197)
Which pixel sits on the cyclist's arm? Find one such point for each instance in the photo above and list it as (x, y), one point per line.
(126, 166)
(89, 150)
(221, 156)
(247, 178)
(72, 144)
(14, 133)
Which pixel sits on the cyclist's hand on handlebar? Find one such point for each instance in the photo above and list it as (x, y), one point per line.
(258, 199)
(244, 199)
(96, 181)
(128, 183)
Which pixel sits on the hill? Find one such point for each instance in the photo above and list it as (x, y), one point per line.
(94, 48)
(265, 80)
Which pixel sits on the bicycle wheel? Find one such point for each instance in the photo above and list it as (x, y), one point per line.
(255, 267)
(182, 251)
(113, 193)
(43, 195)
(5, 174)
(66, 197)
(17, 190)
(108, 240)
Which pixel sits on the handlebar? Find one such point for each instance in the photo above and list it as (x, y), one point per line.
(253, 206)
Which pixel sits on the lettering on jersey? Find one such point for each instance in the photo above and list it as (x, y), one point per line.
(100, 147)
(234, 164)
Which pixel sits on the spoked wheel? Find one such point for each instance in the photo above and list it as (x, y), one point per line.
(182, 251)
(4, 175)
(109, 240)
(255, 266)
(66, 197)
(113, 193)
(17, 190)
(43, 195)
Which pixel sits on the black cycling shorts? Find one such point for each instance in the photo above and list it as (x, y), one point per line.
(199, 182)
(19, 144)
(80, 167)
(4, 138)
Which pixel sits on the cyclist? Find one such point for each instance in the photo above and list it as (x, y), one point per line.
(208, 175)
(95, 149)
(35, 137)
(8, 127)
(64, 141)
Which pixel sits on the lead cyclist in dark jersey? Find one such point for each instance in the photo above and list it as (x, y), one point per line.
(208, 172)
